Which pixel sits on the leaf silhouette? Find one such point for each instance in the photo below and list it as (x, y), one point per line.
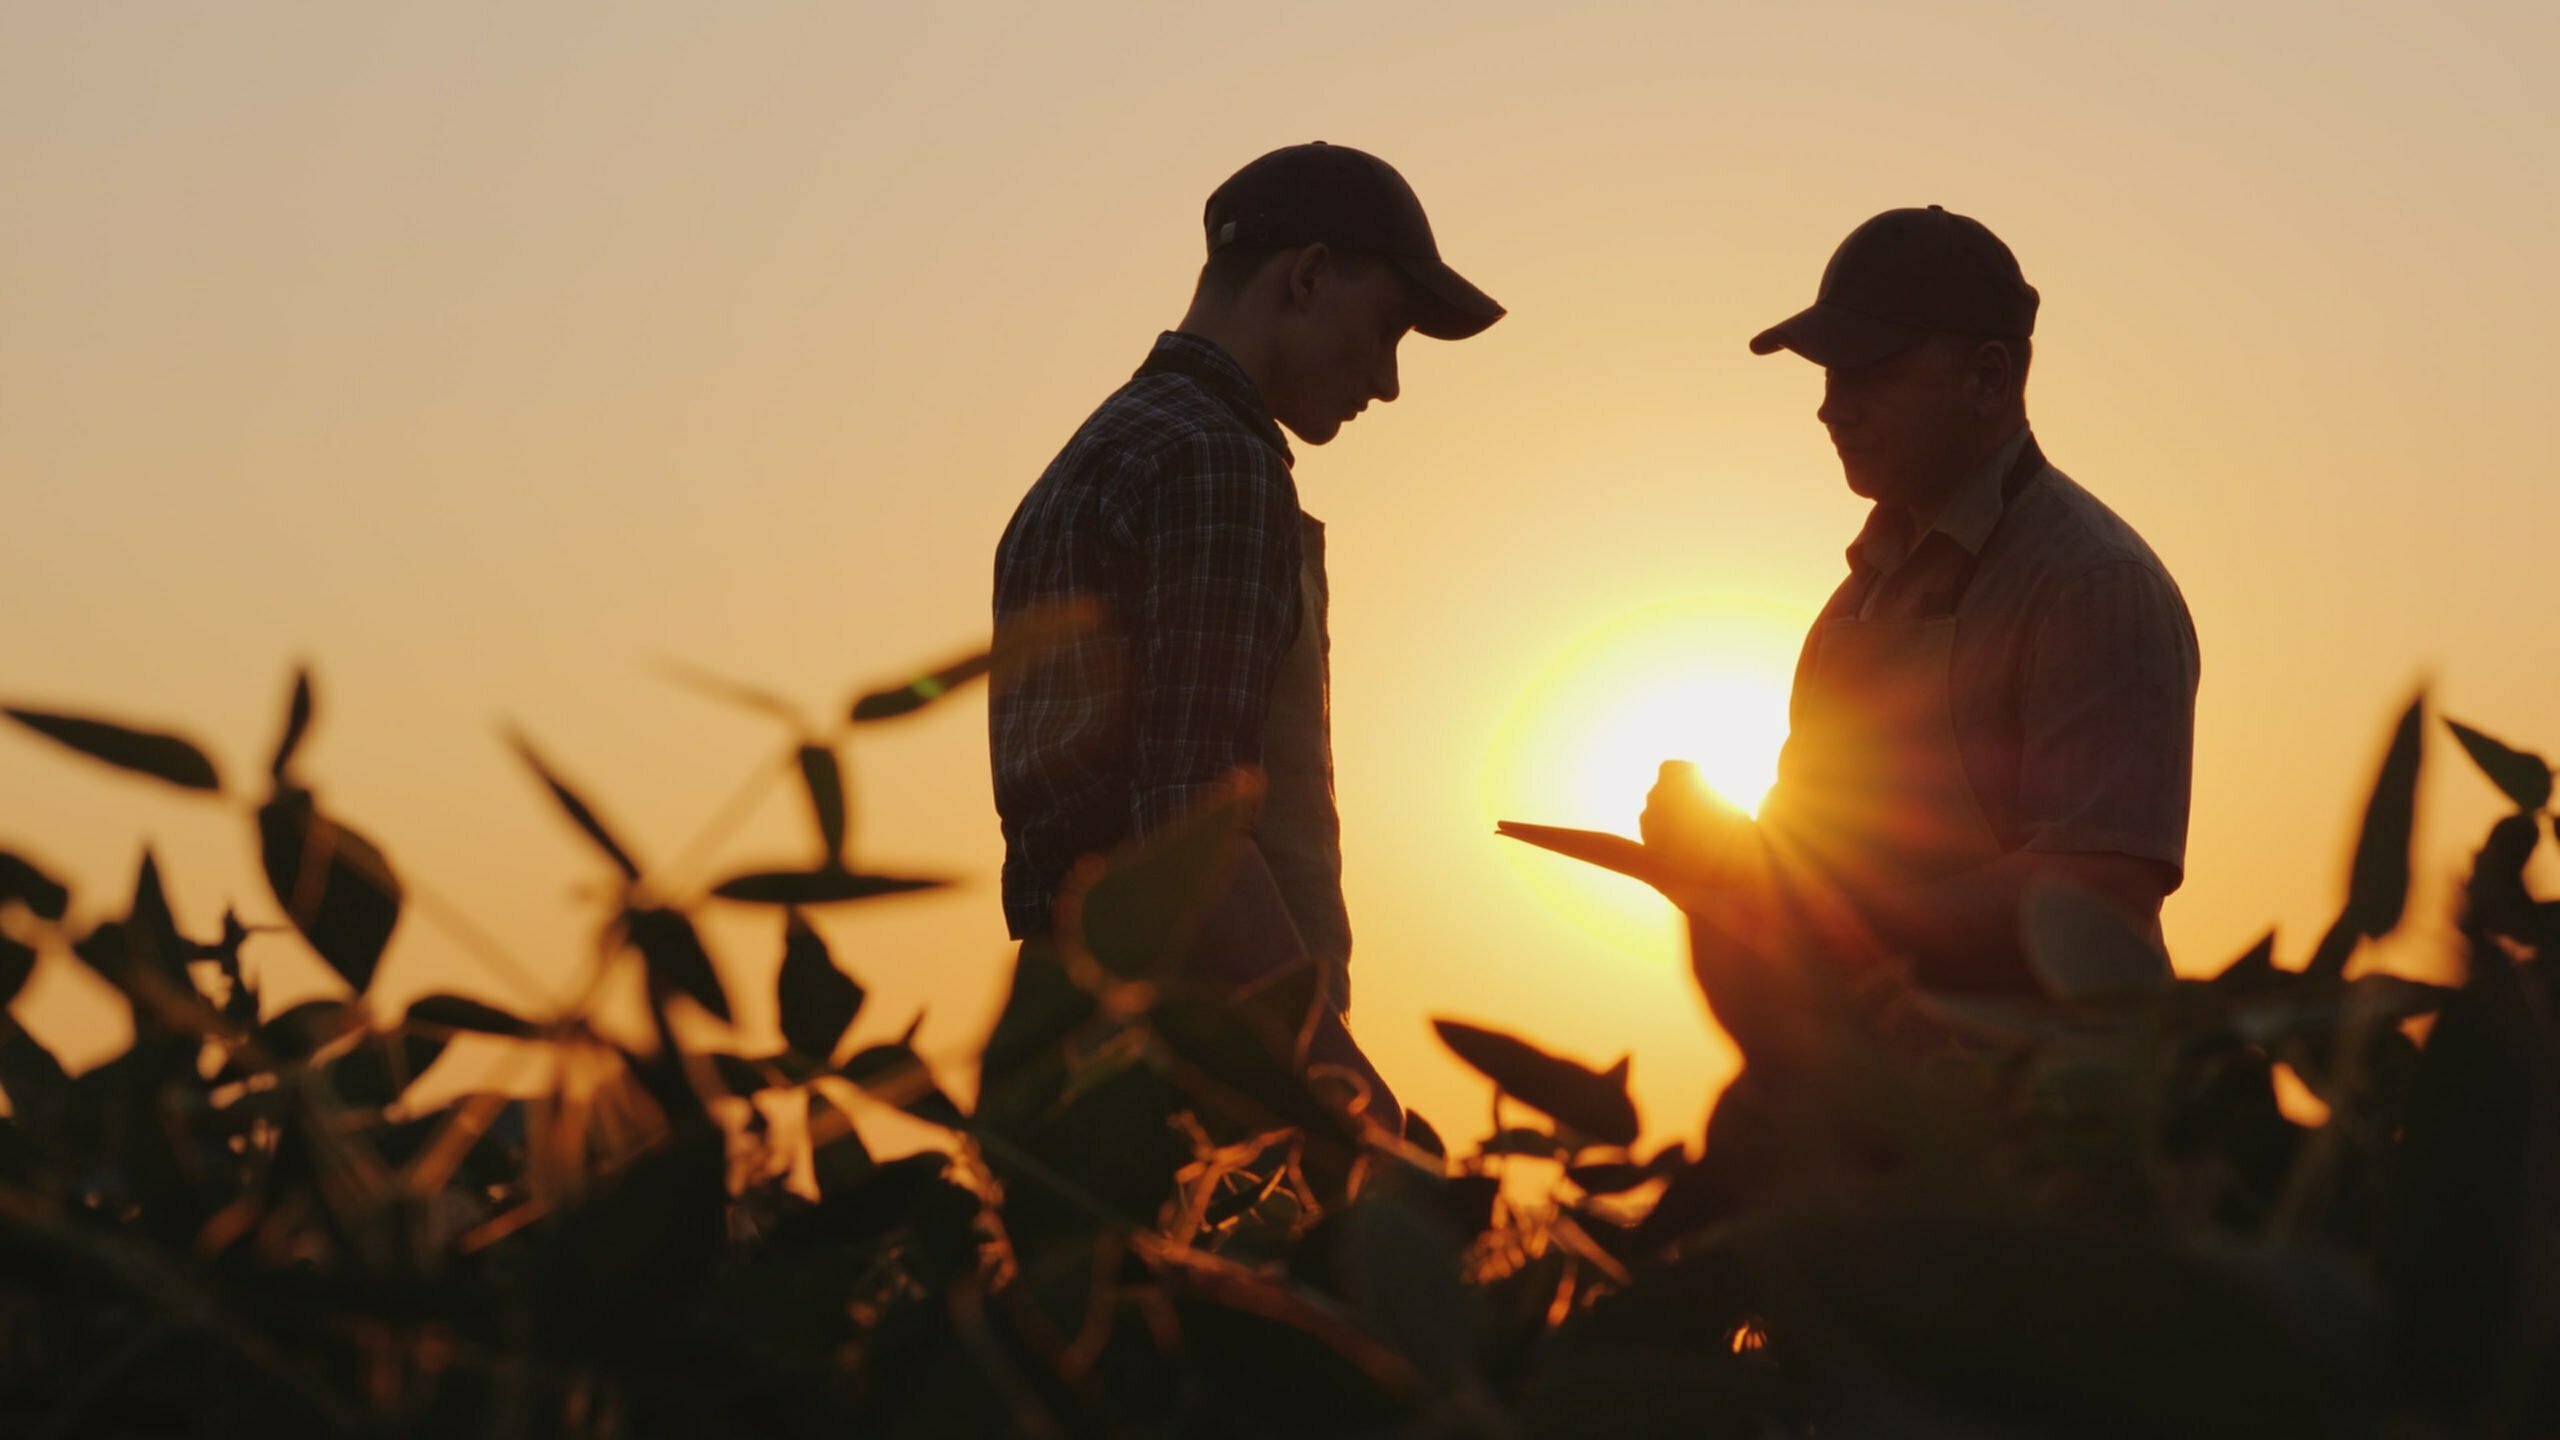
(1421, 1135)
(460, 1012)
(144, 956)
(33, 1079)
(896, 1074)
(1399, 1262)
(741, 1076)
(921, 691)
(734, 692)
(817, 1001)
(1144, 909)
(2523, 775)
(827, 886)
(2378, 880)
(674, 956)
(304, 1030)
(382, 1067)
(1522, 1140)
(297, 722)
(334, 884)
(23, 882)
(1018, 638)
(825, 779)
(1590, 1101)
(838, 1159)
(579, 812)
(2322, 1006)
(2254, 969)
(17, 962)
(1609, 1177)
(146, 752)
(2085, 951)
(1232, 1055)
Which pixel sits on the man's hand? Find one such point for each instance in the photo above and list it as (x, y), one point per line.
(1701, 835)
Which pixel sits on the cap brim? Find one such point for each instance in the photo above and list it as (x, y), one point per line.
(1449, 308)
(1835, 338)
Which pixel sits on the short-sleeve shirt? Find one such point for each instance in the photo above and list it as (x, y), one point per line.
(2075, 666)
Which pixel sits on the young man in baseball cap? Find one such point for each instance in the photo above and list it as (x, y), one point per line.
(1175, 508)
(2001, 693)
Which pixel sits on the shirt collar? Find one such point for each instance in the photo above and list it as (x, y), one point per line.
(1201, 359)
(1971, 514)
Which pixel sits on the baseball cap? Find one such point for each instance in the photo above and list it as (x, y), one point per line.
(1900, 277)
(1352, 200)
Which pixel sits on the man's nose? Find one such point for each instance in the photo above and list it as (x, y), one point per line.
(1834, 411)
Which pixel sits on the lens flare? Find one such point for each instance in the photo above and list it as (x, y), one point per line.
(1702, 680)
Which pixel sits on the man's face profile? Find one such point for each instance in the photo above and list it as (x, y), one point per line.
(1335, 343)
(1898, 422)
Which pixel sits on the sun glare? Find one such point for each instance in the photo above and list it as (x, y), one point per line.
(1698, 680)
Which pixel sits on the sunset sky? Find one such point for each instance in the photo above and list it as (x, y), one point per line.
(480, 353)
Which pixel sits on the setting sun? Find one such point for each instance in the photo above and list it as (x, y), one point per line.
(1701, 680)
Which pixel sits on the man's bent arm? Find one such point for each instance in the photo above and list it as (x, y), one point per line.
(1216, 527)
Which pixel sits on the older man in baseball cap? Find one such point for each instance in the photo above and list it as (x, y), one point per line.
(2001, 693)
(1175, 508)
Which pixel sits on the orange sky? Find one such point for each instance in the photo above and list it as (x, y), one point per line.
(480, 352)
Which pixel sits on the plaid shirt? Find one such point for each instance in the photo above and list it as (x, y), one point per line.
(1173, 506)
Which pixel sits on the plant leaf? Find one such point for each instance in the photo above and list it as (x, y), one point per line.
(304, 1030)
(577, 808)
(334, 884)
(1398, 1262)
(1017, 638)
(741, 1076)
(17, 962)
(1611, 1177)
(2378, 888)
(674, 956)
(2084, 951)
(2253, 969)
(382, 1067)
(735, 692)
(816, 887)
(838, 1160)
(896, 1074)
(1241, 1056)
(1586, 1099)
(147, 752)
(1142, 912)
(825, 779)
(1522, 1140)
(33, 1079)
(297, 722)
(921, 691)
(31, 887)
(817, 1001)
(2523, 775)
(461, 1012)
(1420, 1134)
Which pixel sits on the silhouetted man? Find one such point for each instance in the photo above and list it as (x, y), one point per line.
(2002, 692)
(1173, 505)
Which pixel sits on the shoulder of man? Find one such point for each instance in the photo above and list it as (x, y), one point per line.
(2074, 534)
(1153, 413)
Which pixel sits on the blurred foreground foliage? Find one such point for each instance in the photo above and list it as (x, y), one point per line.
(1913, 1214)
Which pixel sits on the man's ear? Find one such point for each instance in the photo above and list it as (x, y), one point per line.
(1308, 268)
(1993, 375)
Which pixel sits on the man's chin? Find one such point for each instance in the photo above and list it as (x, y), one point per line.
(1314, 432)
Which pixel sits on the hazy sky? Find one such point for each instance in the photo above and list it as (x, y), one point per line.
(478, 353)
